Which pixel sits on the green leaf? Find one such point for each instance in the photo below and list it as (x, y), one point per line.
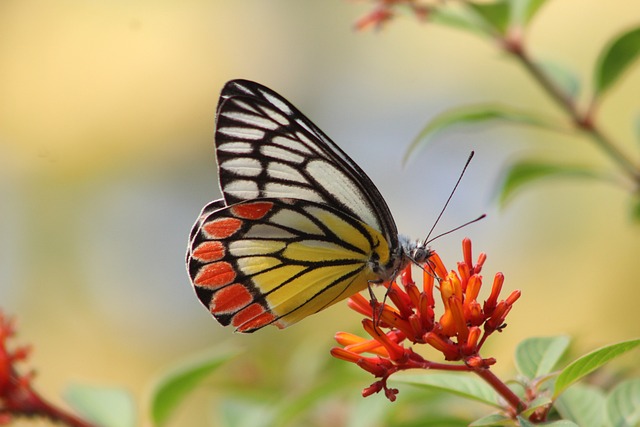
(524, 422)
(461, 385)
(366, 412)
(536, 357)
(536, 403)
(176, 384)
(245, 413)
(525, 10)
(583, 405)
(616, 58)
(458, 19)
(590, 362)
(107, 407)
(474, 114)
(622, 407)
(560, 423)
(635, 207)
(497, 419)
(495, 14)
(528, 171)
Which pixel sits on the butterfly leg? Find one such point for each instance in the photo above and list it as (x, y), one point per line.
(376, 306)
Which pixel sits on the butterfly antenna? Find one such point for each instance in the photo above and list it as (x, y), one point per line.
(456, 229)
(427, 240)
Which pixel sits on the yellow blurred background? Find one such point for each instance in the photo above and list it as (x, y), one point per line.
(106, 157)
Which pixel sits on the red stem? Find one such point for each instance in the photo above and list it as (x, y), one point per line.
(46, 409)
(514, 401)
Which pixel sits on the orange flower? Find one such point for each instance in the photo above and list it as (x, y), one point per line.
(459, 333)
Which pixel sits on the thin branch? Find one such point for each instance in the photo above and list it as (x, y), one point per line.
(584, 122)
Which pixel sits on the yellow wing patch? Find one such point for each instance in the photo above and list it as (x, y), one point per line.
(286, 259)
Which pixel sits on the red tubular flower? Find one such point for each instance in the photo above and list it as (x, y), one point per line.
(17, 395)
(384, 12)
(410, 319)
(490, 304)
(395, 350)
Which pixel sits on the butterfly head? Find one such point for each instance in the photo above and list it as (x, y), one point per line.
(415, 251)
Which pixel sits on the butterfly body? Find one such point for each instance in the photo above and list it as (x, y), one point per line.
(300, 226)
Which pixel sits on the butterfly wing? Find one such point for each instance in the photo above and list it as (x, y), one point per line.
(265, 147)
(278, 260)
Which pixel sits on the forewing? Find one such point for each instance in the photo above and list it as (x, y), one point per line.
(276, 261)
(266, 148)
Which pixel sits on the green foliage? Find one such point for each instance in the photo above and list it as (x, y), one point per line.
(477, 114)
(560, 423)
(107, 407)
(488, 18)
(528, 171)
(635, 208)
(590, 362)
(462, 385)
(458, 19)
(615, 59)
(505, 23)
(177, 383)
(523, 11)
(493, 420)
(536, 357)
(496, 15)
(622, 407)
(583, 405)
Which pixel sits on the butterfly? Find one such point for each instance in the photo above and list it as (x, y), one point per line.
(300, 226)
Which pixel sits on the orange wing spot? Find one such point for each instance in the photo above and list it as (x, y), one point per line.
(215, 275)
(263, 319)
(252, 210)
(209, 251)
(222, 228)
(252, 317)
(230, 299)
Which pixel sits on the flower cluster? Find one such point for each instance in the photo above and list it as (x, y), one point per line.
(17, 396)
(12, 386)
(384, 11)
(459, 333)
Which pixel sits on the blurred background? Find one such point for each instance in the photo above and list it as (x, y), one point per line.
(106, 157)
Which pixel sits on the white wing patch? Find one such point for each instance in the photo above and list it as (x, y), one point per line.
(291, 144)
(252, 119)
(244, 166)
(278, 190)
(282, 106)
(343, 190)
(243, 189)
(278, 170)
(277, 117)
(281, 153)
(242, 132)
(238, 147)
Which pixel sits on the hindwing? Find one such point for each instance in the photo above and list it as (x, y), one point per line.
(278, 260)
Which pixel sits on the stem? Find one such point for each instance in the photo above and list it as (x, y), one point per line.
(584, 122)
(502, 389)
(27, 402)
(54, 413)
